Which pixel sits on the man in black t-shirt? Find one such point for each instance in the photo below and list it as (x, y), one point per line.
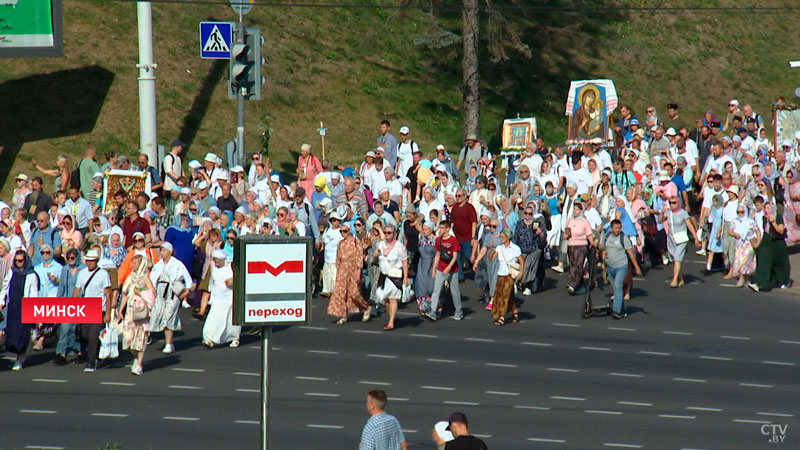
(463, 440)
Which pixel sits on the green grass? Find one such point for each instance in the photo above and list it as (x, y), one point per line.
(350, 68)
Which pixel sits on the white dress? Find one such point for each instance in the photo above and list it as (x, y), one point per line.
(391, 265)
(169, 279)
(219, 328)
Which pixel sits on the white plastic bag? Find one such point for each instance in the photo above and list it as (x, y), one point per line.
(109, 342)
(407, 293)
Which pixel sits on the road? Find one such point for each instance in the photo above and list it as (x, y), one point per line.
(704, 366)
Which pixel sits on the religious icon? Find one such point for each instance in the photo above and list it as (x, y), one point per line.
(589, 105)
(517, 133)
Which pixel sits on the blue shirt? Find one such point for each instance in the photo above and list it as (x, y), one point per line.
(381, 432)
(50, 288)
(48, 238)
(678, 180)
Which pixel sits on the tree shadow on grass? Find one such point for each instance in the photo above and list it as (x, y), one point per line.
(50, 105)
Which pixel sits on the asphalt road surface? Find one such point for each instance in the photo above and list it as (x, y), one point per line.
(706, 366)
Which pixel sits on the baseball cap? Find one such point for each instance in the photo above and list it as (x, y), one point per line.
(178, 143)
(194, 164)
(671, 132)
(654, 128)
(471, 137)
(275, 178)
(456, 417)
(634, 121)
(404, 130)
(672, 106)
(237, 169)
(370, 153)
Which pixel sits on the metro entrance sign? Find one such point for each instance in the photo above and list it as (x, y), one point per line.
(271, 286)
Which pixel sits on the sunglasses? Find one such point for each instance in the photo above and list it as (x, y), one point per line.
(230, 238)
(138, 240)
(492, 189)
(459, 196)
(359, 225)
(389, 231)
(45, 252)
(527, 214)
(344, 230)
(673, 203)
(491, 227)
(19, 261)
(649, 110)
(71, 258)
(739, 212)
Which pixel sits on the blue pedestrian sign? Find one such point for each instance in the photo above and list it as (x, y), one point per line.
(215, 40)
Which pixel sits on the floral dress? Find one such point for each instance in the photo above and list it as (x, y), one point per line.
(346, 296)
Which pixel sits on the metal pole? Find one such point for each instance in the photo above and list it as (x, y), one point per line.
(241, 92)
(265, 332)
(147, 84)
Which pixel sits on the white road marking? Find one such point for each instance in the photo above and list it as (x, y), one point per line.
(538, 344)
(257, 347)
(109, 415)
(557, 369)
(678, 333)
(790, 342)
(501, 393)
(675, 416)
(367, 332)
(375, 383)
(49, 380)
(37, 411)
(537, 408)
(597, 411)
(483, 436)
(645, 352)
(751, 421)
(550, 441)
(323, 352)
(620, 329)
(306, 327)
(249, 390)
(373, 355)
(178, 386)
(247, 374)
(188, 419)
(116, 383)
(511, 366)
(325, 427)
(452, 402)
(408, 431)
(403, 313)
(690, 380)
(778, 363)
(248, 422)
(478, 340)
(599, 349)
(774, 414)
(441, 360)
(432, 336)
(736, 338)
(311, 378)
(571, 325)
(717, 358)
(702, 408)
(44, 447)
(756, 385)
(629, 375)
(397, 399)
(618, 445)
(574, 399)
(183, 369)
(320, 394)
(635, 403)
(438, 388)
(727, 285)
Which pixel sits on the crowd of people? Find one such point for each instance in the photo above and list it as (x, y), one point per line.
(403, 225)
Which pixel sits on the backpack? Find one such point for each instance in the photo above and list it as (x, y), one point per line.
(75, 177)
(164, 172)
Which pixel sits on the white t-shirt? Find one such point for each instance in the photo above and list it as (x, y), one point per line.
(534, 163)
(330, 239)
(729, 210)
(221, 294)
(593, 217)
(97, 285)
(718, 164)
(506, 254)
(405, 156)
(171, 163)
(582, 179)
(691, 160)
(691, 147)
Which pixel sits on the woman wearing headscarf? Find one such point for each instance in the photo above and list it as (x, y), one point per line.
(48, 272)
(308, 167)
(715, 235)
(747, 234)
(70, 236)
(530, 236)
(21, 281)
(506, 254)
(218, 328)
(423, 283)
(791, 212)
(676, 223)
(66, 286)
(346, 296)
(567, 206)
(579, 237)
(207, 241)
(114, 251)
(138, 299)
(771, 255)
(393, 262)
(489, 241)
(479, 266)
(172, 282)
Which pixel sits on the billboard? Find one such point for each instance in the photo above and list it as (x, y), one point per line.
(31, 29)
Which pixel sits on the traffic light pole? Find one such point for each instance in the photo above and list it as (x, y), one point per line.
(240, 93)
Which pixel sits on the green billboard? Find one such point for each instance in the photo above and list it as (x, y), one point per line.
(30, 28)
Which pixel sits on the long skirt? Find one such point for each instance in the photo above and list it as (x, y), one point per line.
(744, 263)
(504, 295)
(219, 327)
(134, 332)
(18, 334)
(328, 277)
(771, 263)
(577, 258)
(554, 235)
(532, 272)
(164, 314)
(728, 245)
(346, 296)
(374, 272)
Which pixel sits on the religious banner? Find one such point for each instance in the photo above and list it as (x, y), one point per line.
(517, 134)
(590, 104)
(787, 123)
(132, 182)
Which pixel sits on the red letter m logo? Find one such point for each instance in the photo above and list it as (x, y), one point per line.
(264, 267)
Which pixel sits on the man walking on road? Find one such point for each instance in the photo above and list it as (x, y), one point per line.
(463, 440)
(382, 431)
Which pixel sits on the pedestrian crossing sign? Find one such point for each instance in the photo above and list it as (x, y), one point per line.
(215, 40)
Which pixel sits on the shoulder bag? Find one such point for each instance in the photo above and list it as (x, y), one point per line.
(680, 237)
(514, 268)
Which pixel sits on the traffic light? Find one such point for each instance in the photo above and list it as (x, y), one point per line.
(245, 66)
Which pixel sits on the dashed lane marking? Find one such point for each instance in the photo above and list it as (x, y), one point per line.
(49, 380)
(757, 385)
(367, 332)
(438, 388)
(678, 333)
(320, 394)
(397, 399)
(599, 349)
(37, 411)
(451, 361)
(736, 338)
(483, 436)
(375, 383)
(558, 369)
(535, 408)
(778, 363)
(116, 383)
(183, 369)
(431, 336)
(689, 380)
(717, 358)
(629, 375)
(572, 399)
(453, 402)
(676, 416)
(100, 414)
(323, 352)
(478, 340)
(178, 386)
(325, 427)
(247, 374)
(408, 431)
(646, 352)
(510, 366)
(186, 419)
(311, 378)
(598, 411)
(548, 441)
(620, 329)
(774, 414)
(306, 327)
(502, 393)
(569, 325)
(249, 390)
(703, 408)
(635, 403)
(763, 422)
(44, 447)
(618, 445)
(247, 422)
(790, 342)
(373, 355)
(537, 344)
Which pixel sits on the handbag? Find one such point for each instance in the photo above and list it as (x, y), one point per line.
(680, 237)
(513, 268)
(139, 310)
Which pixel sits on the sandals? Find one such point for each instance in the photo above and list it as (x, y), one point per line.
(234, 344)
(500, 322)
(368, 312)
(341, 321)
(388, 328)
(515, 318)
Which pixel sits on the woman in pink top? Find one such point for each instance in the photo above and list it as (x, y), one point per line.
(308, 167)
(70, 236)
(579, 237)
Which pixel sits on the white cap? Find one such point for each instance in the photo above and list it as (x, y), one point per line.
(596, 140)
(93, 255)
(786, 143)
(194, 164)
(186, 190)
(404, 130)
(275, 178)
(671, 132)
(210, 157)
(734, 102)
(222, 176)
(202, 185)
(237, 169)
(662, 176)
(219, 254)
(440, 147)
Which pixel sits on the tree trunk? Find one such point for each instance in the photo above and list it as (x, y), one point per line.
(470, 74)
